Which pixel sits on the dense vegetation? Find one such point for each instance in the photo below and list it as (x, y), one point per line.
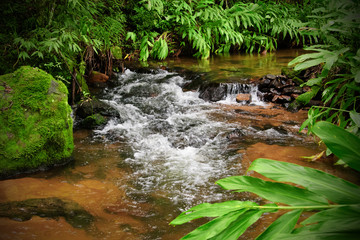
(71, 38)
(66, 37)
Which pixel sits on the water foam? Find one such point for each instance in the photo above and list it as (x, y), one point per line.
(177, 148)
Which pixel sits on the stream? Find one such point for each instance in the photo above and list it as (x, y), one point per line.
(163, 153)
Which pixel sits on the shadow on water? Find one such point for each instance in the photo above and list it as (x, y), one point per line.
(163, 154)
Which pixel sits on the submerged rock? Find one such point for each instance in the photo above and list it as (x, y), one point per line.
(36, 127)
(73, 213)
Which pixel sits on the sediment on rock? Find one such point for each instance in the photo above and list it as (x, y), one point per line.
(54, 208)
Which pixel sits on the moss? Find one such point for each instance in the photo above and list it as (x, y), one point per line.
(93, 121)
(37, 128)
(116, 52)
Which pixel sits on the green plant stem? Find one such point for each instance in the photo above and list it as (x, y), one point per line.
(336, 109)
(303, 207)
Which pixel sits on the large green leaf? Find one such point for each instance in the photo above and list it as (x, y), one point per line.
(343, 144)
(304, 57)
(308, 64)
(339, 213)
(211, 210)
(321, 236)
(333, 188)
(355, 116)
(273, 191)
(214, 227)
(307, 96)
(284, 224)
(331, 226)
(239, 226)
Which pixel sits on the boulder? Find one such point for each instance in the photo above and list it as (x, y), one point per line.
(97, 79)
(36, 126)
(243, 98)
(94, 106)
(213, 92)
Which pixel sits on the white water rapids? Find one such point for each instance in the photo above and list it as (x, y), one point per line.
(178, 148)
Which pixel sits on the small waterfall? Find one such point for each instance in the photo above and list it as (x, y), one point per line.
(233, 89)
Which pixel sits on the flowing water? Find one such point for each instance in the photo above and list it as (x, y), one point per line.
(161, 155)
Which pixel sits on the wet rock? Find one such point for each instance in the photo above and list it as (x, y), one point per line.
(276, 83)
(281, 98)
(270, 76)
(264, 85)
(293, 106)
(243, 98)
(94, 106)
(285, 88)
(235, 134)
(274, 91)
(292, 90)
(73, 213)
(97, 79)
(212, 92)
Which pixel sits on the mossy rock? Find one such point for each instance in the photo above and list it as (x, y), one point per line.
(36, 126)
(291, 73)
(93, 121)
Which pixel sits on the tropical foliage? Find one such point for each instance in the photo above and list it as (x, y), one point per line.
(61, 37)
(69, 37)
(334, 201)
(337, 25)
(205, 27)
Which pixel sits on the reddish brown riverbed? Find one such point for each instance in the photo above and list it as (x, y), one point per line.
(100, 177)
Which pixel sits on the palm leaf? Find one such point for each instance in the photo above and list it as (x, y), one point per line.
(284, 224)
(333, 188)
(273, 191)
(211, 210)
(342, 143)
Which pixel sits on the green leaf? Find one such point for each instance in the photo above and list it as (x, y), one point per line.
(304, 57)
(355, 117)
(342, 143)
(307, 64)
(214, 227)
(131, 35)
(273, 191)
(211, 210)
(333, 188)
(284, 224)
(332, 226)
(340, 214)
(320, 236)
(306, 97)
(238, 227)
(314, 81)
(357, 76)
